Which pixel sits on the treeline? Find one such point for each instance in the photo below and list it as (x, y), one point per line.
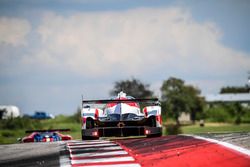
(228, 112)
(178, 97)
(235, 89)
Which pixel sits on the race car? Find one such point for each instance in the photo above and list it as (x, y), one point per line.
(46, 136)
(121, 116)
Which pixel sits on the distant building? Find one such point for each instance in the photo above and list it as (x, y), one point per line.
(185, 118)
(243, 98)
(9, 112)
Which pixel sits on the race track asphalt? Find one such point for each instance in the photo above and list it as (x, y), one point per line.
(30, 155)
(176, 150)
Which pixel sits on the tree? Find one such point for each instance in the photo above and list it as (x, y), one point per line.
(239, 112)
(178, 97)
(132, 87)
(194, 101)
(235, 89)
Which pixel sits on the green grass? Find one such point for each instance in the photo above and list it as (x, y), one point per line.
(215, 128)
(8, 136)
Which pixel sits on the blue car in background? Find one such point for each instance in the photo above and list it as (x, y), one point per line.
(42, 115)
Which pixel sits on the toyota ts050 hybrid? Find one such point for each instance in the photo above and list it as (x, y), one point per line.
(121, 116)
(45, 136)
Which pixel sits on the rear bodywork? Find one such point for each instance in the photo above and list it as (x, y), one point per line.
(121, 116)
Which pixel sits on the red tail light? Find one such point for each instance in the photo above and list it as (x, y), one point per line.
(147, 132)
(95, 133)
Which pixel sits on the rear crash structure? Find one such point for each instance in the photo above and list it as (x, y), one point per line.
(121, 116)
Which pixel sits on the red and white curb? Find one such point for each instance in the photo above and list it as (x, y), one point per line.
(91, 153)
(225, 144)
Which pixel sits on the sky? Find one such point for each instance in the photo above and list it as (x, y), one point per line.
(54, 52)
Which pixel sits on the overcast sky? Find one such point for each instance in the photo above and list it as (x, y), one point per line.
(52, 52)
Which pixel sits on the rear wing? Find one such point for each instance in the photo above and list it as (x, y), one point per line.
(152, 101)
(48, 130)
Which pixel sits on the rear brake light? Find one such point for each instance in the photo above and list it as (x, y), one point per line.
(147, 132)
(95, 133)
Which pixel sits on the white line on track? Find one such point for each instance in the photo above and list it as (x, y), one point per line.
(101, 160)
(92, 145)
(99, 154)
(116, 165)
(89, 142)
(228, 145)
(100, 149)
(95, 153)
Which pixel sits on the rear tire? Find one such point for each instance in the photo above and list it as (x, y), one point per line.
(154, 135)
(152, 123)
(90, 124)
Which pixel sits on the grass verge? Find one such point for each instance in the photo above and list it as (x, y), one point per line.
(215, 128)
